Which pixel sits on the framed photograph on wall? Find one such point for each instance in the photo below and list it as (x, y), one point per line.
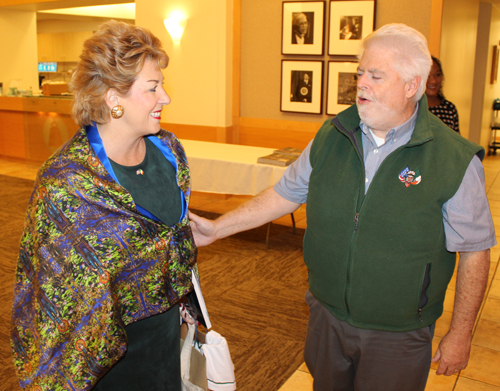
(301, 86)
(342, 86)
(350, 22)
(302, 28)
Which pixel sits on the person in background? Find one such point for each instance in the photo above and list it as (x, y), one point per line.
(107, 252)
(300, 29)
(438, 105)
(388, 190)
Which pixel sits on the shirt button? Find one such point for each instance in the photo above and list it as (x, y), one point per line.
(375, 151)
(366, 180)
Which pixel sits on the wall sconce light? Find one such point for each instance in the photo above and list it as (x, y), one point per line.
(175, 25)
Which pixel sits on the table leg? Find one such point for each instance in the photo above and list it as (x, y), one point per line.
(268, 233)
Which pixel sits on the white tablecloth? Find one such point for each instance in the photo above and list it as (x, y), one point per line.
(229, 168)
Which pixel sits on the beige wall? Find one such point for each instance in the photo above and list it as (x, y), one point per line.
(490, 91)
(481, 81)
(198, 78)
(458, 50)
(261, 52)
(18, 48)
(414, 13)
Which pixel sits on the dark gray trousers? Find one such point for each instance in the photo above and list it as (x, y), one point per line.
(341, 357)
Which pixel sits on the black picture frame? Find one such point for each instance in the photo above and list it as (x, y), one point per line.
(302, 86)
(341, 86)
(350, 22)
(302, 27)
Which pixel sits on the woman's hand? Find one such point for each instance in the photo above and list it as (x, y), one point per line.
(204, 231)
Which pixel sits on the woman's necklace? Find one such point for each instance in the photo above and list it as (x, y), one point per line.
(140, 170)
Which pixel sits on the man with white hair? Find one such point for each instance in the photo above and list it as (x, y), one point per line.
(392, 195)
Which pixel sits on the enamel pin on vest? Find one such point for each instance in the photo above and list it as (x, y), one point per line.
(409, 177)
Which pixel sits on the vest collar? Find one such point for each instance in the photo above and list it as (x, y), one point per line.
(349, 119)
(422, 132)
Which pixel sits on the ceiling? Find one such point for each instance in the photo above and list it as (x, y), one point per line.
(119, 11)
(79, 9)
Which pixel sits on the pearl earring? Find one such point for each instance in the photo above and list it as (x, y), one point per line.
(117, 111)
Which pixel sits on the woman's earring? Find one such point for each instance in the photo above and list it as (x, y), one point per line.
(117, 111)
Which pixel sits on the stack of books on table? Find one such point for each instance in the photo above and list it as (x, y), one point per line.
(281, 157)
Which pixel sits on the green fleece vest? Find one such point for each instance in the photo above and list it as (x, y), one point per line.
(378, 261)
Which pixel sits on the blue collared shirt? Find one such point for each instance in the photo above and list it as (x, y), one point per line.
(374, 154)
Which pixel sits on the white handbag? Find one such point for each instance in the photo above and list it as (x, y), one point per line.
(220, 368)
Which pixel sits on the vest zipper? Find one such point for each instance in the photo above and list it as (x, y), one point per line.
(349, 134)
(349, 260)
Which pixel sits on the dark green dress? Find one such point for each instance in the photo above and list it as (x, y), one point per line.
(152, 361)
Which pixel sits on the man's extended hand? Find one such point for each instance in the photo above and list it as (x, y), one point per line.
(203, 230)
(265, 207)
(452, 353)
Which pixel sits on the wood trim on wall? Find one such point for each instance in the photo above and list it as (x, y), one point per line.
(201, 133)
(308, 127)
(256, 132)
(272, 133)
(192, 132)
(12, 141)
(236, 70)
(11, 103)
(35, 104)
(435, 28)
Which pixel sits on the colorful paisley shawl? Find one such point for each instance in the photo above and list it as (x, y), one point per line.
(89, 264)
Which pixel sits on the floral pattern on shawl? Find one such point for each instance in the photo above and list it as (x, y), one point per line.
(90, 264)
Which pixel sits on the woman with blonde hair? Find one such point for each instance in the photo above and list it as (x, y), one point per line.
(107, 252)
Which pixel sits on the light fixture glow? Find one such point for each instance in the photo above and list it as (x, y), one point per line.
(175, 25)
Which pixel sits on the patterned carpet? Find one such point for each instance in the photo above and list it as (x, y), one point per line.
(254, 295)
(14, 196)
